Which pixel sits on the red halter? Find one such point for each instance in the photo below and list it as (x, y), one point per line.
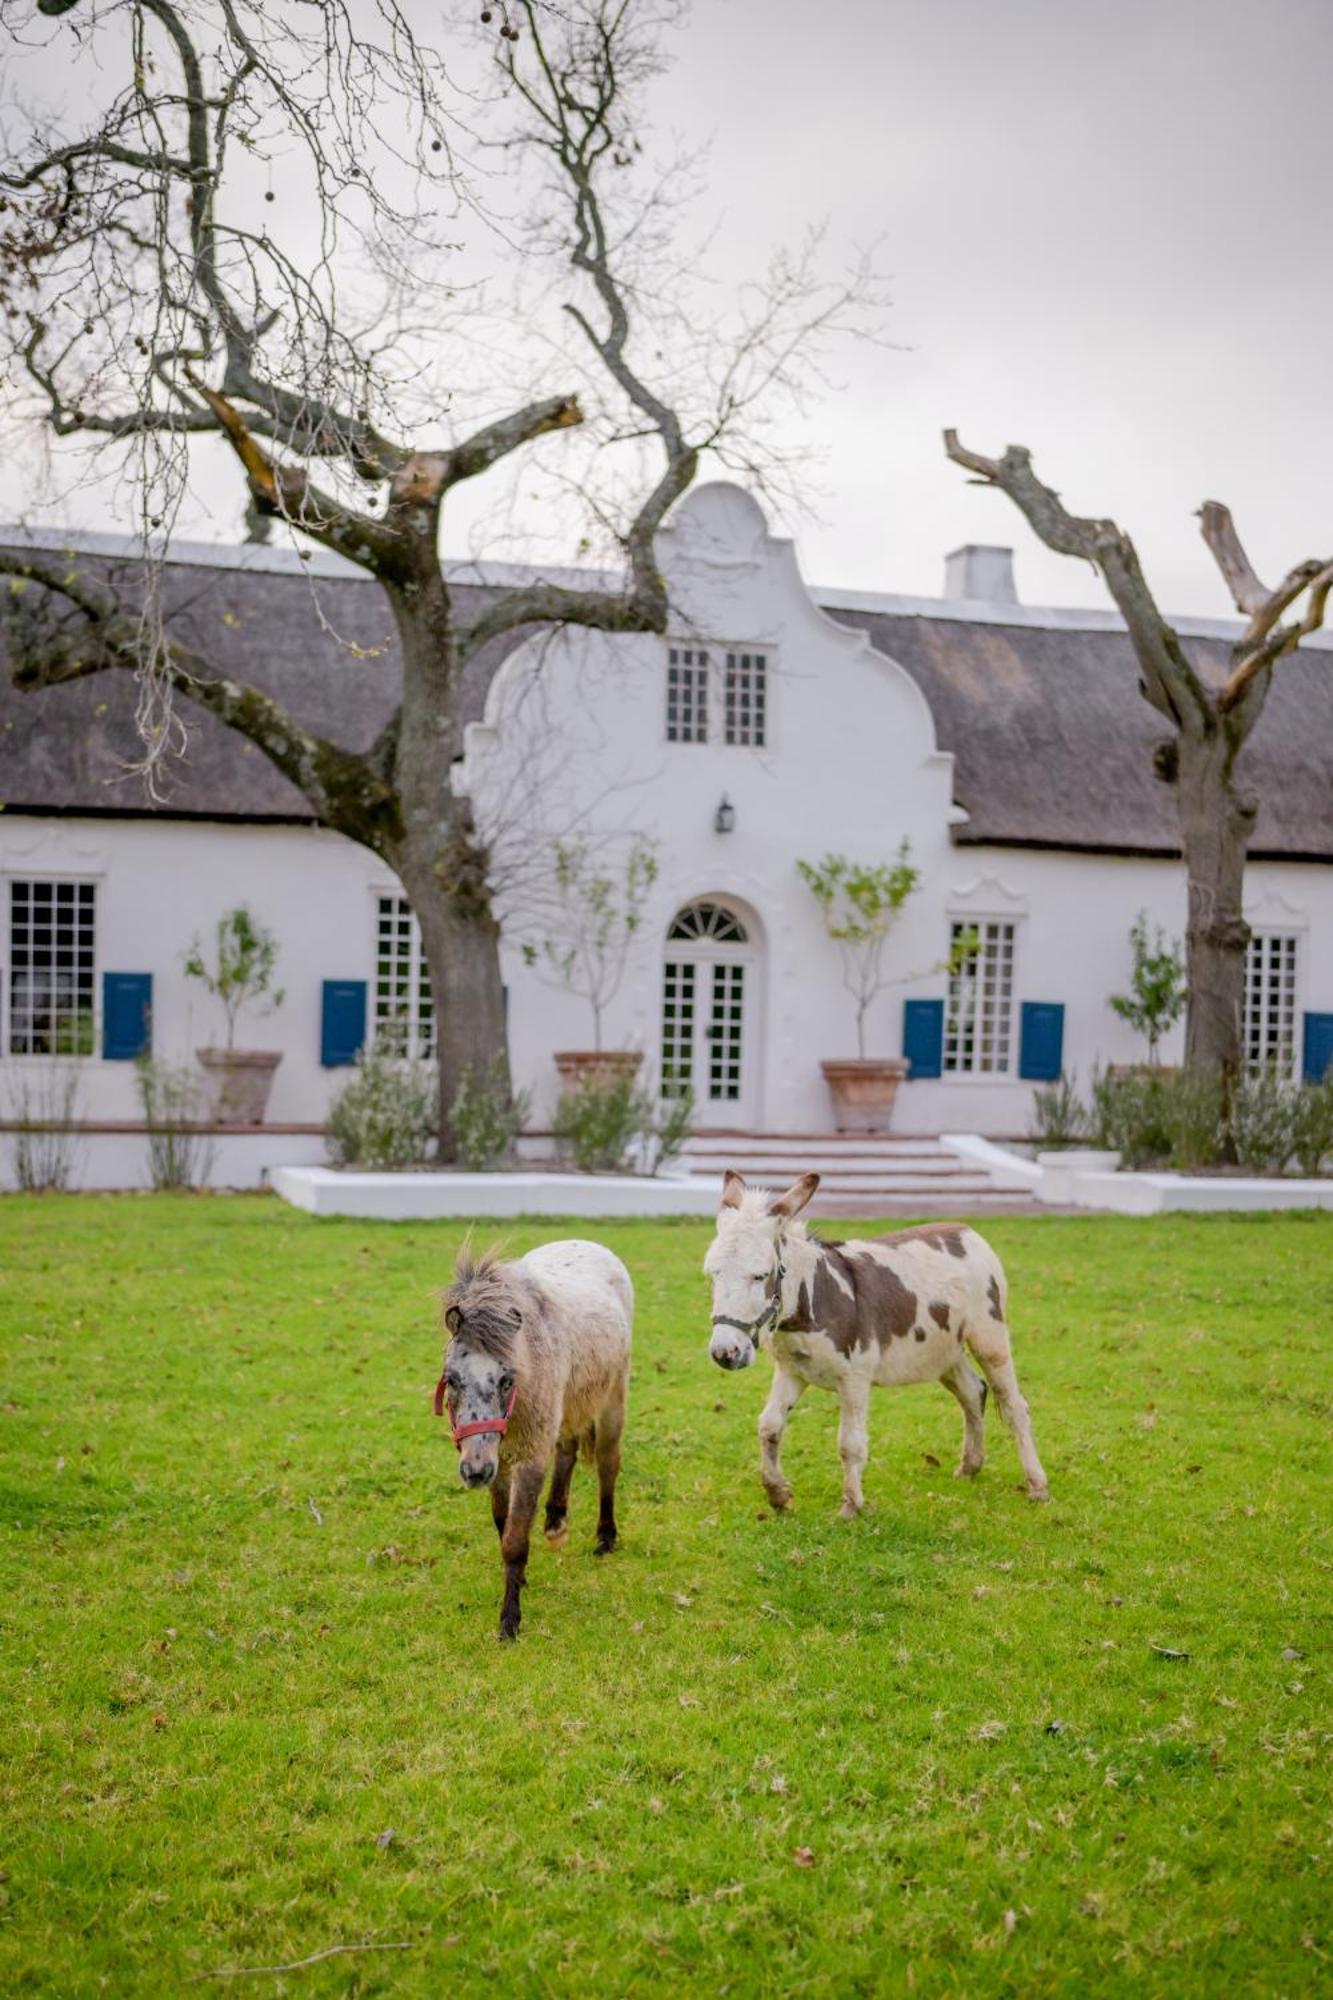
(460, 1431)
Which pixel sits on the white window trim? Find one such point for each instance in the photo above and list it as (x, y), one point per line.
(716, 651)
(1297, 931)
(378, 892)
(18, 874)
(1013, 914)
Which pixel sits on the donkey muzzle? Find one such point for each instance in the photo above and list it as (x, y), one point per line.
(731, 1348)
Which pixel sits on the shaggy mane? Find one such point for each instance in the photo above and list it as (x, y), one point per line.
(489, 1301)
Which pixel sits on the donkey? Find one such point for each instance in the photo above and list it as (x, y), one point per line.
(537, 1370)
(860, 1315)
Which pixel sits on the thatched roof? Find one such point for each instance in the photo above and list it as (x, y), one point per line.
(259, 615)
(1051, 739)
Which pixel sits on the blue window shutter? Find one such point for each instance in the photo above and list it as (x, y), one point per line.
(342, 1030)
(923, 1037)
(1041, 1040)
(127, 1015)
(1317, 1054)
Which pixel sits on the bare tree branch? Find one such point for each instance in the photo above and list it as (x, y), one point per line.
(341, 786)
(1170, 683)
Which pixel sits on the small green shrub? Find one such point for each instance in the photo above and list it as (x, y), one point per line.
(385, 1115)
(1312, 1125)
(672, 1126)
(241, 974)
(603, 1123)
(487, 1117)
(179, 1154)
(1129, 1114)
(43, 1105)
(1263, 1121)
(1059, 1115)
(1192, 1114)
(599, 1122)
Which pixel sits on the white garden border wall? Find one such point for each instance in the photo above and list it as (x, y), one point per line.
(415, 1197)
(1068, 1186)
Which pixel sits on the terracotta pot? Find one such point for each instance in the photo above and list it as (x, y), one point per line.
(239, 1081)
(597, 1066)
(863, 1089)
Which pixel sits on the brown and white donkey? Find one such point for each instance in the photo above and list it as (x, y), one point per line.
(854, 1316)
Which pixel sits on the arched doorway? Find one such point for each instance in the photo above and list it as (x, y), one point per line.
(709, 995)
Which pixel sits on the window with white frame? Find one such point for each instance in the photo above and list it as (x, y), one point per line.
(979, 1017)
(404, 1007)
(745, 698)
(687, 694)
(1270, 1001)
(52, 968)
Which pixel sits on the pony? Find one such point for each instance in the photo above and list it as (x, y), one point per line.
(536, 1370)
(873, 1313)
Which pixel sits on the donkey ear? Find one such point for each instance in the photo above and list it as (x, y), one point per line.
(733, 1187)
(785, 1206)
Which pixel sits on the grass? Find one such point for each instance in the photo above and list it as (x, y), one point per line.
(253, 1703)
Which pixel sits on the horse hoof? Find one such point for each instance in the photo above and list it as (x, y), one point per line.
(605, 1548)
(508, 1633)
(557, 1537)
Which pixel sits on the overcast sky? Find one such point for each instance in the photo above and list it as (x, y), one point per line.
(1108, 236)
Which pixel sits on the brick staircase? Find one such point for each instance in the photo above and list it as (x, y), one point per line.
(859, 1174)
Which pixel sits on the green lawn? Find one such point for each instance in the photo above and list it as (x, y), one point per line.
(253, 1704)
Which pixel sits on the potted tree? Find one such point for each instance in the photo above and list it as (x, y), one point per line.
(859, 902)
(241, 974)
(597, 912)
(1157, 999)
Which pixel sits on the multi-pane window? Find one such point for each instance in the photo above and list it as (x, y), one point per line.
(677, 1027)
(745, 694)
(52, 968)
(725, 1023)
(404, 1008)
(687, 694)
(1270, 1001)
(978, 1021)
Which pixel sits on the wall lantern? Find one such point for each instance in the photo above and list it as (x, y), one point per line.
(724, 819)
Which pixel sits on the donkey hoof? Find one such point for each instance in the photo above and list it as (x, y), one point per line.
(779, 1498)
(850, 1509)
(557, 1536)
(968, 1469)
(1039, 1493)
(508, 1630)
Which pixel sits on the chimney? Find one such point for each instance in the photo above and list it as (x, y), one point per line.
(980, 574)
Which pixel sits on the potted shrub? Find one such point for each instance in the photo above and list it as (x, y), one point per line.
(241, 974)
(859, 902)
(597, 913)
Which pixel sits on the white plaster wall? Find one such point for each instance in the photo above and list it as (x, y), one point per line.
(159, 885)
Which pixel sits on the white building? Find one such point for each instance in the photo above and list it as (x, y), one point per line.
(1009, 744)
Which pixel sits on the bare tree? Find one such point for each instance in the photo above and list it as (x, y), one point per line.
(1210, 725)
(151, 303)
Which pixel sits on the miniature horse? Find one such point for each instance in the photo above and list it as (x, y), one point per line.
(855, 1316)
(537, 1369)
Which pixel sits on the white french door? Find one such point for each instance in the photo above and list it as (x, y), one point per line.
(708, 996)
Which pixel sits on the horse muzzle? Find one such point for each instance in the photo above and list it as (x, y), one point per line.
(478, 1467)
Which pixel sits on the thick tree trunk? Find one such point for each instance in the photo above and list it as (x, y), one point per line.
(442, 867)
(461, 941)
(1216, 820)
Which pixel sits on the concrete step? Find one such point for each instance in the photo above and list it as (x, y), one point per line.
(860, 1173)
